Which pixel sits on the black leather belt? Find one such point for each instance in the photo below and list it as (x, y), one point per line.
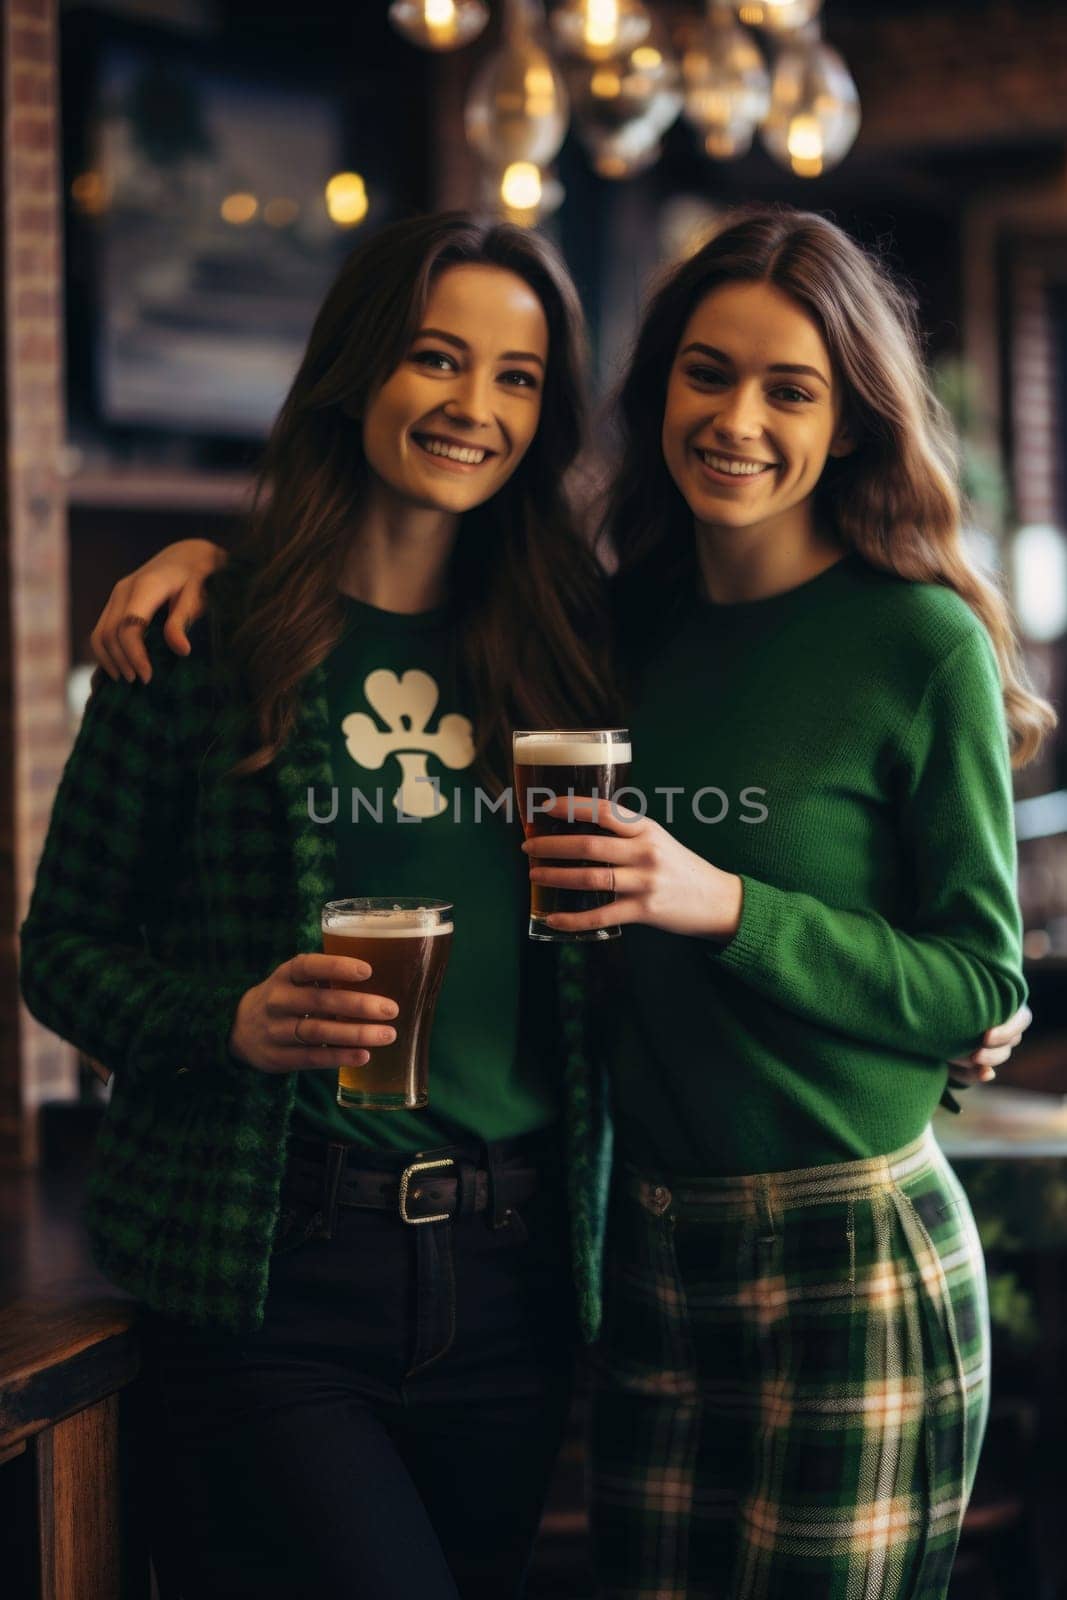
(433, 1187)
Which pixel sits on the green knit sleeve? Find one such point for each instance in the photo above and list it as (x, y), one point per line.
(110, 853)
(932, 987)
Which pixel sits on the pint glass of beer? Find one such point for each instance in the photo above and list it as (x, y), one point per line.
(406, 942)
(567, 762)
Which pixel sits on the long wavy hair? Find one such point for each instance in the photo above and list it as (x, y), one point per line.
(895, 499)
(523, 581)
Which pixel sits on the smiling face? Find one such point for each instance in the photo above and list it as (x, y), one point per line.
(752, 412)
(449, 427)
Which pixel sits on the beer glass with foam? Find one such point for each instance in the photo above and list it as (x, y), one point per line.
(407, 942)
(559, 763)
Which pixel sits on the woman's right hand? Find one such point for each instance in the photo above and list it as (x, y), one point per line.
(295, 998)
(178, 574)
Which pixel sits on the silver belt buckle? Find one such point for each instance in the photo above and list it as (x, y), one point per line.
(405, 1183)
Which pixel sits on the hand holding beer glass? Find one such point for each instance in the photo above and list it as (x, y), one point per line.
(564, 765)
(406, 943)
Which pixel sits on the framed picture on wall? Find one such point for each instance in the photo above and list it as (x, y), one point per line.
(211, 201)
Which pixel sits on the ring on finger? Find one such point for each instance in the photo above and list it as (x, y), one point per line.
(296, 1028)
(611, 886)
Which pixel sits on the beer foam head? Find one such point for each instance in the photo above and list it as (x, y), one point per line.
(569, 749)
(388, 922)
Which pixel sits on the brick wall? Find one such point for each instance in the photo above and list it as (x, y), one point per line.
(34, 736)
(1036, 426)
(1037, 481)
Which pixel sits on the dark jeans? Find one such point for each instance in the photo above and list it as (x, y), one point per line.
(389, 1432)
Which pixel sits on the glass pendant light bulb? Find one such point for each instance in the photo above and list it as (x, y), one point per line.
(596, 30)
(521, 187)
(623, 107)
(521, 192)
(815, 109)
(518, 107)
(439, 24)
(726, 85)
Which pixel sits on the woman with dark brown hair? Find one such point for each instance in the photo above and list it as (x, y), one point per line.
(359, 1377)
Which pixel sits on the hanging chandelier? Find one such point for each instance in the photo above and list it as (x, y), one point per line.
(746, 67)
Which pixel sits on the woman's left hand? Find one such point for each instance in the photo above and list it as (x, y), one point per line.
(655, 880)
(997, 1045)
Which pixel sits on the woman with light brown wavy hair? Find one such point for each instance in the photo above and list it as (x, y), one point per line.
(358, 1325)
(819, 909)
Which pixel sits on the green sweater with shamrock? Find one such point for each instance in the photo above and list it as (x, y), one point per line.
(842, 748)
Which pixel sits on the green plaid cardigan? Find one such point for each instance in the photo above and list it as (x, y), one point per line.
(165, 891)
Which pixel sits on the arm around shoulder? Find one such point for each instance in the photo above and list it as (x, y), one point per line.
(175, 577)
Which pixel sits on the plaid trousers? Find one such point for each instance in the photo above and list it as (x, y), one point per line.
(793, 1382)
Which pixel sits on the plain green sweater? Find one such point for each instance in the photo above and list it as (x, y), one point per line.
(849, 736)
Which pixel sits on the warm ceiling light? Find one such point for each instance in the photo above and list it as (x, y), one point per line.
(239, 208)
(804, 143)
(520, 187)
(602, 24)
(439, 24)
(600, 29)
(815, 109)
(522, 192)
(346, 199)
